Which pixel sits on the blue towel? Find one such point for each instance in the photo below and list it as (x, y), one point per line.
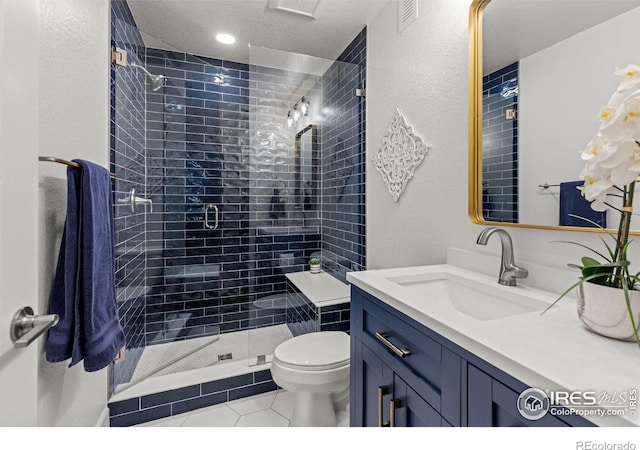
(62, 299)
(83, 292)
(572, 202)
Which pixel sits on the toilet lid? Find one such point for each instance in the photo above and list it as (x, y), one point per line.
(319, 350)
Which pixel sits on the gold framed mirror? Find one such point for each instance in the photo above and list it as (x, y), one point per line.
(527, 127)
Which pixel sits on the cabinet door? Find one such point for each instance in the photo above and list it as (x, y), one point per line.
(408, 409)
(492, 404)
(374, 386)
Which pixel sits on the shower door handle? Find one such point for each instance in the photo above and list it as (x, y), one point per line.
(207, 224)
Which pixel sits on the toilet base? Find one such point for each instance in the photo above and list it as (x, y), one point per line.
(313, 410)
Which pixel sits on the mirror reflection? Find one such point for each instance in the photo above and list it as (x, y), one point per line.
(547, 71)
(306, 168)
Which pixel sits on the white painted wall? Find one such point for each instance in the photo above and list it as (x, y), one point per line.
(423, 71)
(562, 90)
(74, 123)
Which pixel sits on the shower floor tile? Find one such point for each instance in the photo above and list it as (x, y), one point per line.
(241, 344)
(255, 411)
(271, 409)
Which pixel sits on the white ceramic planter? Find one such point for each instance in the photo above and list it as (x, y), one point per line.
(603, 310)
(315, 268)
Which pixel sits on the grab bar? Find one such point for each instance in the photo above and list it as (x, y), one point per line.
(206, 216)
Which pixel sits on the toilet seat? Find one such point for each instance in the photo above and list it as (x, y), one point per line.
(323, 350)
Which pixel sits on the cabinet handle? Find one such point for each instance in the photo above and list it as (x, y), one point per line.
(393, 405)
(401, 352)
(382, 391)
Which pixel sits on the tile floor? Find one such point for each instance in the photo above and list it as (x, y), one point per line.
(272, 409)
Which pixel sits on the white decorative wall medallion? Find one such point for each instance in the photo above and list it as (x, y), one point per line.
(401, 153)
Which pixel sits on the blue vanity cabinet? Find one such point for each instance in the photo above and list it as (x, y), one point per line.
(420, 387)
(492, 404)
(403, 373)
(386, 399)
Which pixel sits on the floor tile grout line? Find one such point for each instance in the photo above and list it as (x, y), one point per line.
(235, 424)
(264, 394)
(282, 415)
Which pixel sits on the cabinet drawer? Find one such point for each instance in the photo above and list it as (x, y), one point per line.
(386, 332)
(433, 371)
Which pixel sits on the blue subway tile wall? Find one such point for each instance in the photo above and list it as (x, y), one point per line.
(500, 146)
(217, 135)
(127, 146)
(335, 317)
(146, 408)
(343, 162)
(303, 316)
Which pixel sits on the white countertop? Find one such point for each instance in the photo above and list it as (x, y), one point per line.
(551, 351)
(321, 288)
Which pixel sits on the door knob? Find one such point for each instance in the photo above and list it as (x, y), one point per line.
(26, 326)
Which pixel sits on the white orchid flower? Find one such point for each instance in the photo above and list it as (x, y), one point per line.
(603, 153)
(597, 182)
(630, 77)
(622, 123)
(593, 149)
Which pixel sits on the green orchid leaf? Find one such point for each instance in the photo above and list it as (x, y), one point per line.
(605, 270)
(627, 297)
(623, 263)
(573, 286)
(584, 246)
(611, 254)
(588, 261)
(595, 224)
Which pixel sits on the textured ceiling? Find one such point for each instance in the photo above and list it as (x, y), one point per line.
(191, 26)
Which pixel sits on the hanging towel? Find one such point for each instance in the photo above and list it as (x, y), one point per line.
(62, 298)
(572, 202)
(83, 293)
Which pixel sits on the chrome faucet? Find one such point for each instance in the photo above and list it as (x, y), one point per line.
(508, 269)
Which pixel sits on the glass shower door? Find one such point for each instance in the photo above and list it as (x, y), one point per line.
(285, 99)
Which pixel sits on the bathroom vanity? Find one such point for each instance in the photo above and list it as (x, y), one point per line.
(443, 346)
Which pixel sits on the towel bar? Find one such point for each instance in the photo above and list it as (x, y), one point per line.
(67, 163)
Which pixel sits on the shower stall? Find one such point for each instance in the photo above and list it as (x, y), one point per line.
(228, 204)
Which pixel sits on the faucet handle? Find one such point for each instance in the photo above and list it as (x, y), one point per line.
(519, 272)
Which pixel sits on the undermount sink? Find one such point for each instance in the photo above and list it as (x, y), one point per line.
(478, 299)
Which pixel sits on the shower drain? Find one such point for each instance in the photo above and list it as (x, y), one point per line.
(225, 356)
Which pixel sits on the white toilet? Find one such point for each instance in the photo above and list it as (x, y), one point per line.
(315, 367)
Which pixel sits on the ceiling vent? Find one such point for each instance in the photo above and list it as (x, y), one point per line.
(306, 8)
(407, 13)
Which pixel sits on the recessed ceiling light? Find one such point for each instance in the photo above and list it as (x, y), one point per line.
(225, 38)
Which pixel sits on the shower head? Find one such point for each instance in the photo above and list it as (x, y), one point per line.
(157, 81)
